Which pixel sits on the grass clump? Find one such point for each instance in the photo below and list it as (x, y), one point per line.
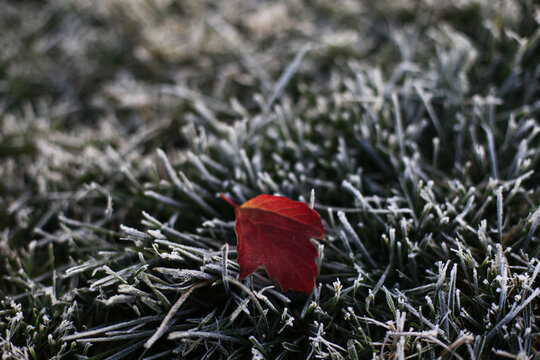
(411, 127)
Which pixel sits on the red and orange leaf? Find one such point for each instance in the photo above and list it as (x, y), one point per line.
(275, 231)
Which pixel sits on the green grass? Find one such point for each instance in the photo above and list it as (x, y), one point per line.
(411, 127)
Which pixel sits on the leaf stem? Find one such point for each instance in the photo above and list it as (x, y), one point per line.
(228, 200)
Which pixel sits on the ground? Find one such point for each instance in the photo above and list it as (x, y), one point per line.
(411, 127)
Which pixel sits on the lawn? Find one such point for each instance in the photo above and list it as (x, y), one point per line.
(411, 127)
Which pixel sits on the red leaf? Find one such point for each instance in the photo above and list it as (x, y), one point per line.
(274, 231)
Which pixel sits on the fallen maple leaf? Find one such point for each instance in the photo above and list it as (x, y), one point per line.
(274, 231)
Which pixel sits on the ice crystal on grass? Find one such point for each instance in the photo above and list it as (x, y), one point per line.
(411, 128)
